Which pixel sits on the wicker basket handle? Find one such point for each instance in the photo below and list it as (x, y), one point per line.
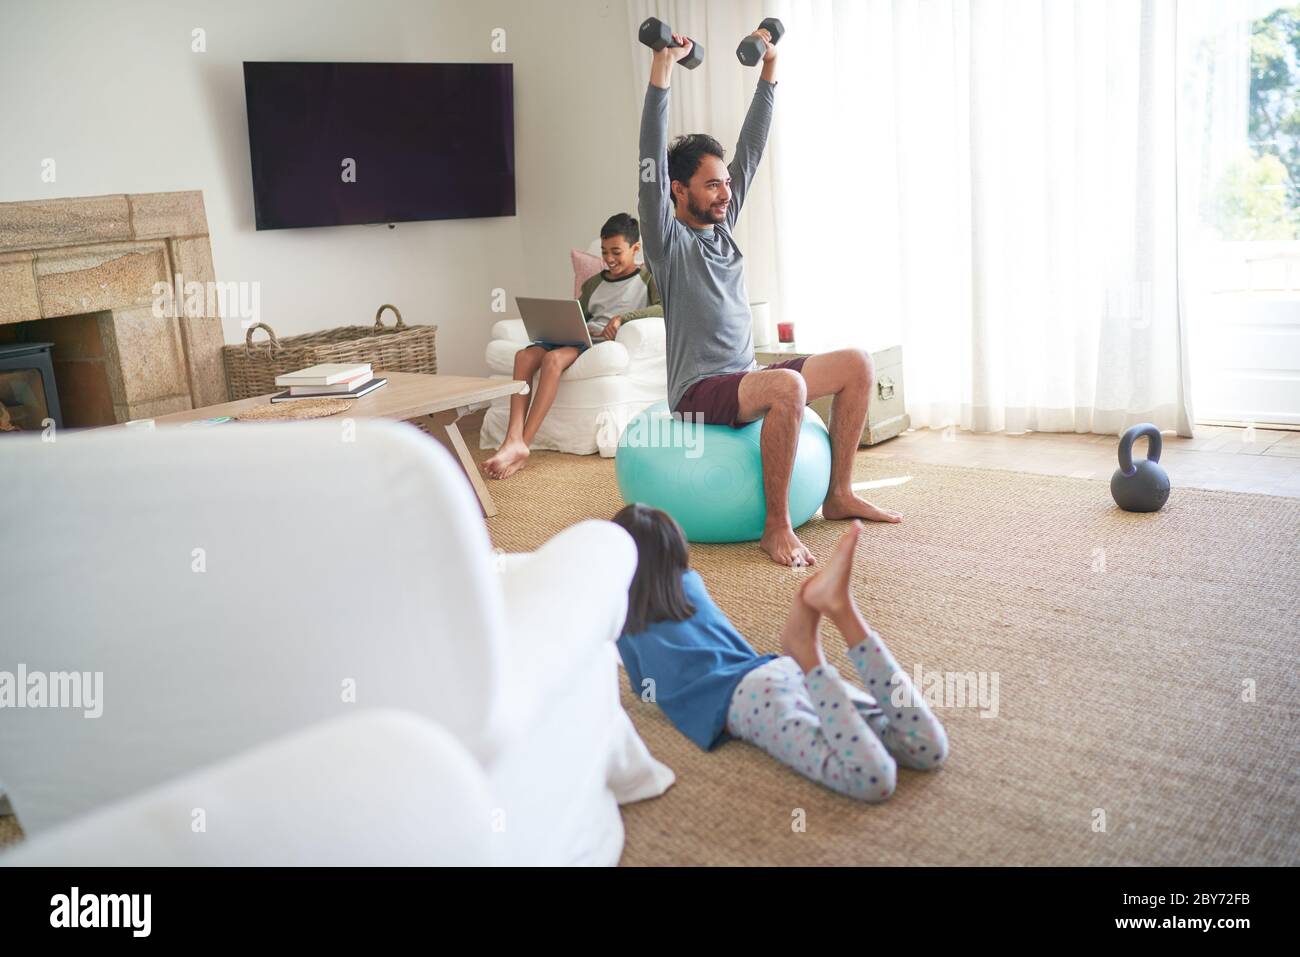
(248, 339)
(379, 323)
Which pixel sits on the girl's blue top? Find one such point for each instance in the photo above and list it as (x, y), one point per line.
(694, 664)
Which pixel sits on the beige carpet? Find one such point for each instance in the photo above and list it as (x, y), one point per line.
(1121, 644)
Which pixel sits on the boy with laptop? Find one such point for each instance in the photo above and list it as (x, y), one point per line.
(623, 292)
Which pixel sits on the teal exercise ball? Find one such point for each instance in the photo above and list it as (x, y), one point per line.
(710, 477)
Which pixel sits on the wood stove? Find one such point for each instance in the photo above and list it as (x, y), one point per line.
(28, 395)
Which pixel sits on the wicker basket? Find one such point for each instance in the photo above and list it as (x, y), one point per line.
(251, 369)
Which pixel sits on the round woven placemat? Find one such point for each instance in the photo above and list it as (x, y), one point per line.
(303, 409)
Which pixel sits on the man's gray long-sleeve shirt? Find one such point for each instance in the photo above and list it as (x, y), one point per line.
(700, 272)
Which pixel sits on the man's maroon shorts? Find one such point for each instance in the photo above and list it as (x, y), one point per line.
(716, 399)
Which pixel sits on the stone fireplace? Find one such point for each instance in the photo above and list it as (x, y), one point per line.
(81, 274)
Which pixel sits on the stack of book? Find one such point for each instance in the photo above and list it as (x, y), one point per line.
(332, 380)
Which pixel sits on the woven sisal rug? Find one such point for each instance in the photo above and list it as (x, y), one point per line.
(1147, 708)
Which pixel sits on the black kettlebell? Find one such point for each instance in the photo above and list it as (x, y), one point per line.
(1141, 487)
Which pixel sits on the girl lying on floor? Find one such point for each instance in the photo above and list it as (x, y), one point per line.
(711, 683)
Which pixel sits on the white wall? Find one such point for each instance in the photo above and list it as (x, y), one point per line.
(111, 90)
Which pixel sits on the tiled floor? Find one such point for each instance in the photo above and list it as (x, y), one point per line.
(1232, 459)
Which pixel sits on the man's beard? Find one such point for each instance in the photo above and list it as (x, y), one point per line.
(705, 215)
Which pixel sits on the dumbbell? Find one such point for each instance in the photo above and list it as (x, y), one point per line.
(657, 35)
(751, 48)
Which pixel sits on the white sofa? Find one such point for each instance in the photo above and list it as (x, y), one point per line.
(238, 583)
(605, 386)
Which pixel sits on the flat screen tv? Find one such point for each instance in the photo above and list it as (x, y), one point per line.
(344, 143)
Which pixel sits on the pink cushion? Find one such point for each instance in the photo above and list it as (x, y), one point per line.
(585, 265)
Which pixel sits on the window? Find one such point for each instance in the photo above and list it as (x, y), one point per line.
(1257, 194)
(1243, 88)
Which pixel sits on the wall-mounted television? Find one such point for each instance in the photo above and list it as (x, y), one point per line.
(347, 143)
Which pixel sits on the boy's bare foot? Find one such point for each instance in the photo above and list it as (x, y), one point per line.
(850, 506)
(828, 592)
(784, 547)
(800, 635)
(510, 458)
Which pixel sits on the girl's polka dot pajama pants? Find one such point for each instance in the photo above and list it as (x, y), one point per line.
(831, 732)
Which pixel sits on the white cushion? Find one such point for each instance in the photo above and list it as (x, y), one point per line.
(531, 581)
(510, 330)
(376, 788)
(643, 338)
(540, 645)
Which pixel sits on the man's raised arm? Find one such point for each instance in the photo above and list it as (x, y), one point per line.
(753, 132)
(654, 194)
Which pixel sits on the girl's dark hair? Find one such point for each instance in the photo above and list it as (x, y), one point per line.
(656, 590)
(621, 224)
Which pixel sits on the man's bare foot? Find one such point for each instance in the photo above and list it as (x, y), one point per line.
(801, 634)
(510, 458)
(850, 506)
(828, 592)
(784, 547)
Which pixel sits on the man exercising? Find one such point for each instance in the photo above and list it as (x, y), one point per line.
(689, 201)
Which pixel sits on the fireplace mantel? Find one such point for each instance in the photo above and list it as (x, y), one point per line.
(104, 254)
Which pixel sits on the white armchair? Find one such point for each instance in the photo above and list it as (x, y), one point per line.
(605, 386)
(237, 583)
(374, 788)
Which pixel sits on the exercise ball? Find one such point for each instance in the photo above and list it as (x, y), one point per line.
(1140, 486)
(710, 477)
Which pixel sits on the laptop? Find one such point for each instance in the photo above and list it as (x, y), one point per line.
(554, 321)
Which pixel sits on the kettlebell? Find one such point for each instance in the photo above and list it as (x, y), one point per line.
(1144, 486)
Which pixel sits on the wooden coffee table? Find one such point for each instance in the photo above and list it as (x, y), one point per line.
(436, 402)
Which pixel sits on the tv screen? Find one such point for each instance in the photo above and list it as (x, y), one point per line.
(342, 143)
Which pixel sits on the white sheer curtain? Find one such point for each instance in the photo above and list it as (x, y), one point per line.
(994, 184)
